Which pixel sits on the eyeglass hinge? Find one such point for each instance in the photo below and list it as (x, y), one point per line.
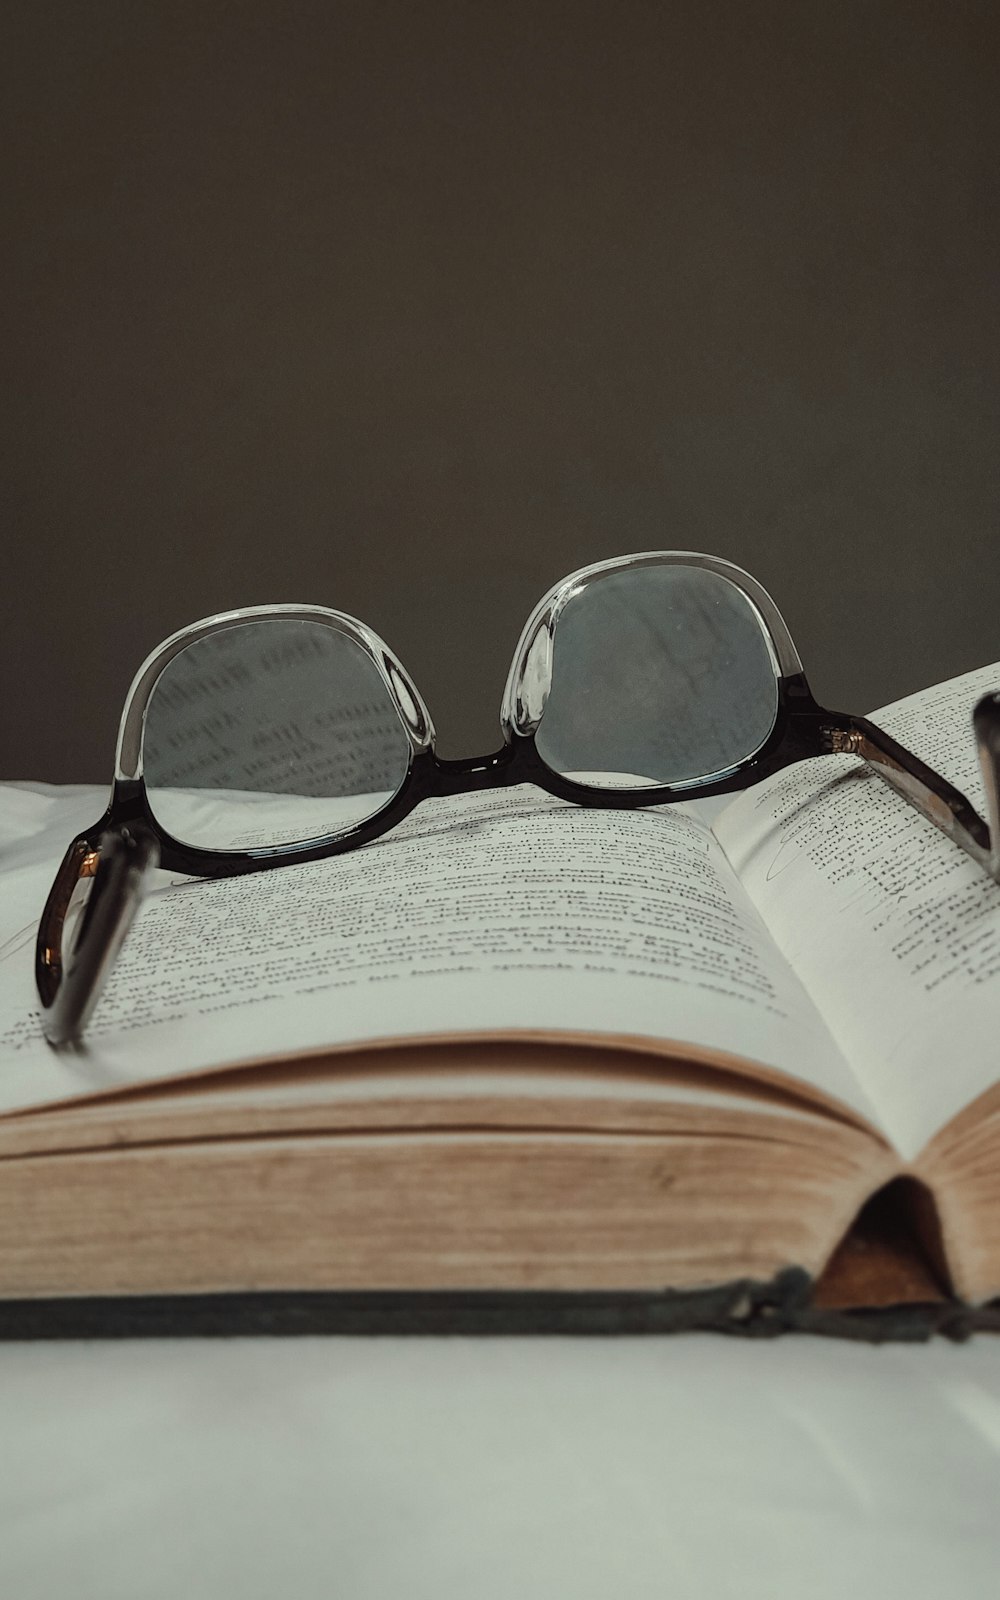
(842, 741)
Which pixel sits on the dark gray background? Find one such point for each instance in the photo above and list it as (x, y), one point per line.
(409, 309)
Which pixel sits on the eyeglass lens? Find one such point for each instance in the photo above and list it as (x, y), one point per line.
(273, 731)
(660, 675)
(282, 730)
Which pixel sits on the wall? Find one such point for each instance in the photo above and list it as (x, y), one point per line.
(410, 309)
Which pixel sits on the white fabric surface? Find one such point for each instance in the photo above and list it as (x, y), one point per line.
(593, 1469)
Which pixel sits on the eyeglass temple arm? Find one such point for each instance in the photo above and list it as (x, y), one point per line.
(931, 794)
(70, 984)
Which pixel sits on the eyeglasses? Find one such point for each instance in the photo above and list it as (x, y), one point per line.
(281, 734)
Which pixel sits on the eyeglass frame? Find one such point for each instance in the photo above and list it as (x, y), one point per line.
(128, 840)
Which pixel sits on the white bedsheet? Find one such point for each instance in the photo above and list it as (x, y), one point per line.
(499, 1470)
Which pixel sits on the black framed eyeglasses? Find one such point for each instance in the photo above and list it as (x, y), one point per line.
(281, 734)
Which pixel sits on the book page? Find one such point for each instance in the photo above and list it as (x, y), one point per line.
(482, 914)
(893, 929)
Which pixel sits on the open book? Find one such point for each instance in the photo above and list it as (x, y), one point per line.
(738, 1066)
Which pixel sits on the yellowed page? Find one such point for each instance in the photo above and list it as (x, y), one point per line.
(894, 931)
(484, 914)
